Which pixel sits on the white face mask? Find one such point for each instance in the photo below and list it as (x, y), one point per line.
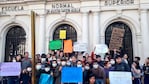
(13, 60)
(47, 69)
(58, 62)
(79, 65)
(87, 67)
(54, 64)
(43, 59)
(29, 69)
(38, 67)
(112, 62)
(63, 63)
(49, 59)
(68, 63)
(95, 66)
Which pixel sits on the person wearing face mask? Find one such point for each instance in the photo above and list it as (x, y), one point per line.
(99, 73)
(79, 63)
(68, 64)
(107, 67)
(86, 73)
(38, 72)
(57, 72)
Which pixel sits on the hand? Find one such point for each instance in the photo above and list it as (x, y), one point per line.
(60, 68)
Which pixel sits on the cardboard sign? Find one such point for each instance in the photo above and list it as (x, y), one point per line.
(101, 48)
(10, 69)
(72, 75)
(79, 47)
(56, 44)
(116, 40)
(120, 77)
(62, 34)
(67, 46)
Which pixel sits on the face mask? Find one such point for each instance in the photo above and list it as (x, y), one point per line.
(63, 63)
(79, 65)
(58, 62)
(87, 67)
(68, 63)
(112, 62)
(13, 60)
(29, 69)
(49, 59)
(109, 65)
(38, 67)
(54, 64)
(47, 69)
(95, 66)
(43, 59)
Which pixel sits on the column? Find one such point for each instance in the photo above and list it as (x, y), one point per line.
(85, 25)
(96, 30)
(41, 35)
(145, 33)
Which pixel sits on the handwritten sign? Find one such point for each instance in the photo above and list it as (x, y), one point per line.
(80, 47)
(116, 38)
(120, 77)
(10, 69)
(101, 48)
(62, 34)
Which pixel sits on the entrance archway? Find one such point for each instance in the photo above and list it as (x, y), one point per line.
(70, 32)
(15, 42)
(127, 46)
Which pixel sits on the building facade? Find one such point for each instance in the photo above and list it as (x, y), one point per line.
(85, 21)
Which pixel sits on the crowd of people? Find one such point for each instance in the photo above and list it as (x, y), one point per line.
(95, 69)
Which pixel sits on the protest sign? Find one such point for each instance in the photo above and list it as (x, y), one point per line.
(62, 34)
(120, 77)
(67, 46)
(72, 75)
(45, 79)
(101, 48)
(79, 47)
(116, 38)
(10, 69)
(55, 44)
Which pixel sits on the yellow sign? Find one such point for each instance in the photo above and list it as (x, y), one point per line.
(62, 34)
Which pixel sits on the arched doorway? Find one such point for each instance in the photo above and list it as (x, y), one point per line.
(127, 46)
(70, 32)
(15, 42)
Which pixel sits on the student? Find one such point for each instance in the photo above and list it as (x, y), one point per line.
(146, 71)
(136, 72)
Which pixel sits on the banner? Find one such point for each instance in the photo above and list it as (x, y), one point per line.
(79, 47)
(116, 38)
(55, 45)
(72, 75)
(62, 34)
(45, 79)
(101, 48)
(67, 46)
(120, 77)
(10, 69)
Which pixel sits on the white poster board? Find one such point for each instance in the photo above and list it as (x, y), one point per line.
(101, 48)
(10, 69)
(120, 77)
(79, 47)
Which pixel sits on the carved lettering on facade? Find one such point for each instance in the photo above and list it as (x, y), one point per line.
(118, 2)
(6, 9)
(63, 7)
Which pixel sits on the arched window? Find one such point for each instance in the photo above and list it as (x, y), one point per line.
(127, 46)
(15, 42)
(70, 32)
